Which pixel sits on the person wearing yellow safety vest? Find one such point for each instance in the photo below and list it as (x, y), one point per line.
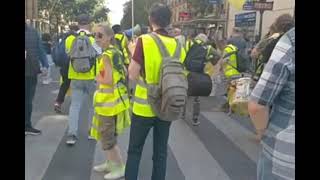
(122, 39)
(228, 66)
(230, 62)
(111, 103)
(211, 56)
(145, 68)
(82, 84)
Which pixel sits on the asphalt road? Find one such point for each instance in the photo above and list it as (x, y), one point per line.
(220, 148)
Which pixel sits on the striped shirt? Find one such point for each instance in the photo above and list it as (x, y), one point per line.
(276, 87)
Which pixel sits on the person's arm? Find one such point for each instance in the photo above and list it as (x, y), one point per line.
(105, 77)
(274, 77)
(259, 115)
(42, 53)
(134, 70)
(137, 60)
(213, 55)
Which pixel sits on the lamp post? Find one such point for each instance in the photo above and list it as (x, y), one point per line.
(132, 15)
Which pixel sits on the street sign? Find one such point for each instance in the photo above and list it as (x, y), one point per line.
(245, 19)
(248, 6)
(262, 6)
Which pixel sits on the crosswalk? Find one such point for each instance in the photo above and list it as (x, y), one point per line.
(220, 148)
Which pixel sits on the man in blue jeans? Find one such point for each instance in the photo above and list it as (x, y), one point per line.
(34, 54)
(82, 84)
(146, 63)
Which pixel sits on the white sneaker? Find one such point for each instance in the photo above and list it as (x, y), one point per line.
(91, 138)
(102, 167)
(47, 81)
(116, 173)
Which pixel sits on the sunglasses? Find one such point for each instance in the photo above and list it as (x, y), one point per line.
(98, 35)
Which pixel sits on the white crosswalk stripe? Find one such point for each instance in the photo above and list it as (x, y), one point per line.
(193, 158)
(240, 136)
(40, 149)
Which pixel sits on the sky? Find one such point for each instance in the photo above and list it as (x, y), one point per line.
(116, 8)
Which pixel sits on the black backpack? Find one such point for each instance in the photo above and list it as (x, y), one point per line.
(243, 61)
(199, 83)
(195, 60)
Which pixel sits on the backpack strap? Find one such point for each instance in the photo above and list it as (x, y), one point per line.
(163, 50)
(177, 53)
(115, 60)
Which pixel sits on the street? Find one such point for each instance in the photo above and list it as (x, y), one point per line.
(220, 148)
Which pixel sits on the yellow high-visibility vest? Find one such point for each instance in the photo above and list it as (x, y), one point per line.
(107, 99)
(124, 41)
(230, 71)
(152, 65)
(110, 100)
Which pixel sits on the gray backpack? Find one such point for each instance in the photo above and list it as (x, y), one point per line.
(168, 98)
(82, 54)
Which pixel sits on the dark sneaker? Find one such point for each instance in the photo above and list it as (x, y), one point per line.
(71, 140)
(57, 108)
(32, 131)
(195, 122)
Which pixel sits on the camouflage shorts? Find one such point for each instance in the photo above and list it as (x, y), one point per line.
(108, 131)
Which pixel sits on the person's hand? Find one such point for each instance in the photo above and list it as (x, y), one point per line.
(132, 46)
(254, 53)
(259, 134)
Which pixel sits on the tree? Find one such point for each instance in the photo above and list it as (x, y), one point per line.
(101, 14)
(141, 10)
(54, 9)
(70, 9)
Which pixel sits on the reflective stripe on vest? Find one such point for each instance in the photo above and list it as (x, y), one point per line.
(230, 71)
(109, 90)
(94, 130)
(153, 60)
(113, 103)
(111, 100)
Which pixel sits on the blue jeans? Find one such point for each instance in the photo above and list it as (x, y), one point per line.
(80, 89)
(140, 127)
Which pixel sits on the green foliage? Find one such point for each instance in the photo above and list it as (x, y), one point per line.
(70, 9)
(141, 10)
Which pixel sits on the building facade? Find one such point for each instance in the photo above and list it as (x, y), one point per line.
(31, 11)
(279, 7)
(181, 10)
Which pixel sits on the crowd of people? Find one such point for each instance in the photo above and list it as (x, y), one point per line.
(124, 80)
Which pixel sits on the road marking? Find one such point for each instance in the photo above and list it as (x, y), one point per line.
(100, 157)
(193, 158)
(240, 136)
(39, 150)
